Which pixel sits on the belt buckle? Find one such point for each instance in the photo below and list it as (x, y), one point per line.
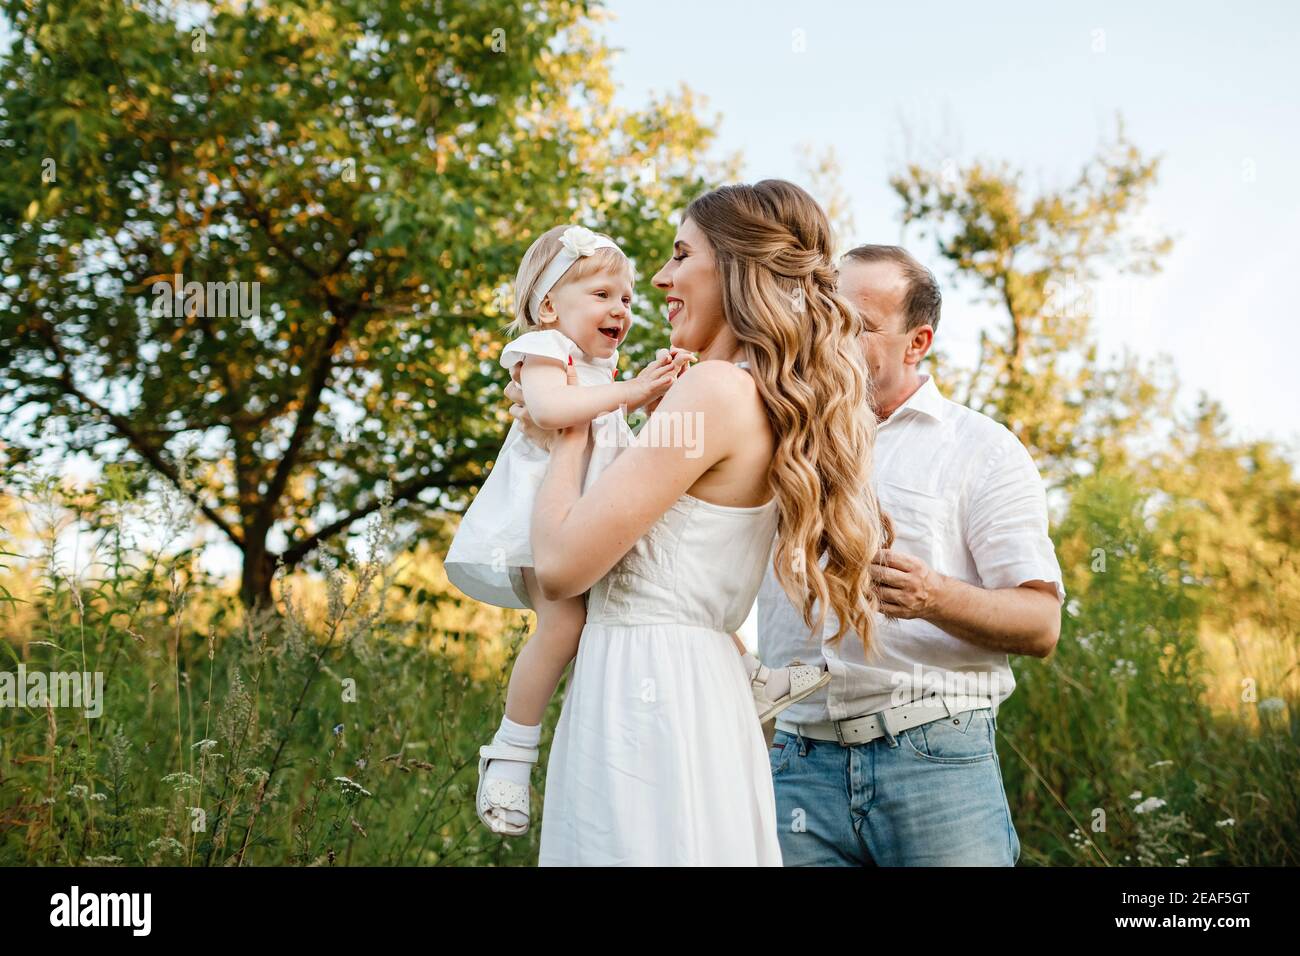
(839, 734)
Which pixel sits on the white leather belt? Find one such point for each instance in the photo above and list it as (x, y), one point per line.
(860, 730)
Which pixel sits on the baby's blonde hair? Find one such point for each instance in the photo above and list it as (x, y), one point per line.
(540, 255)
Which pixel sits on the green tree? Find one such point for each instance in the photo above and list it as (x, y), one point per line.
(1230, 513)
(365, 176)
(1035, 255)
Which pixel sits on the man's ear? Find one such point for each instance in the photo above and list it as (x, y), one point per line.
(919, 345)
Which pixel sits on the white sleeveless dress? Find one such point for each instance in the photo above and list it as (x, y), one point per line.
(493, 541)
(658, 756)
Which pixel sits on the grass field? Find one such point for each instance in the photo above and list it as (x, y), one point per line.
(342, 728)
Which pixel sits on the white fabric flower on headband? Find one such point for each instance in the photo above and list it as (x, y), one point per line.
(575, 242)
(579, 241)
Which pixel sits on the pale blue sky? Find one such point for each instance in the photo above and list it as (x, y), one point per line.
(1213, 89)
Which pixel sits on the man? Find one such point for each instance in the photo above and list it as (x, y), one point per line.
(893, 763)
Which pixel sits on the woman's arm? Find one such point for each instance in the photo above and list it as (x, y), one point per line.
(553, 404)
(577, 538)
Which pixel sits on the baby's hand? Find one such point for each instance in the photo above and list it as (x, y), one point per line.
(660, 375)
(653, 381)
(679, 357)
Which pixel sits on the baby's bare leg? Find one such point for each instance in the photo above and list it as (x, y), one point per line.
(542, 661)
(533, 681)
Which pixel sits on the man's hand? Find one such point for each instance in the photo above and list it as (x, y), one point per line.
(909, 588)
(1025, 619)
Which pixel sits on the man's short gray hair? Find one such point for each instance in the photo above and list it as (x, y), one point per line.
(922, 301)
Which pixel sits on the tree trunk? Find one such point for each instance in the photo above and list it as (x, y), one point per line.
(255, 585)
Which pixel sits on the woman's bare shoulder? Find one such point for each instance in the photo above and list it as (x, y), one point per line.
(720, 388)
(717, 376)
(731, 411)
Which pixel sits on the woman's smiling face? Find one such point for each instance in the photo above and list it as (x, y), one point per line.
(693, 289)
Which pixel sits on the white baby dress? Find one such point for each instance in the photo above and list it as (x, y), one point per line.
(493, 541)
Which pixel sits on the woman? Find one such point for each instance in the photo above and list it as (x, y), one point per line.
(657, 757)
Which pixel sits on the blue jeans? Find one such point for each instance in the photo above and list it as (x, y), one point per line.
(930, 796)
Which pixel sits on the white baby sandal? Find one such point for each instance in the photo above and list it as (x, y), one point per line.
(805, 679)
(500, 795)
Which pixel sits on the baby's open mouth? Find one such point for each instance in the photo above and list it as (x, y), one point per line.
(610, 331)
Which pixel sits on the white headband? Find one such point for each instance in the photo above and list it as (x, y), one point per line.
(575, 242)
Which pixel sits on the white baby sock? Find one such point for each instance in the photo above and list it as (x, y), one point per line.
(515, 771)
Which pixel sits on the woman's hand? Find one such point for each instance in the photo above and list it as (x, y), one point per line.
(518, 410)
(574, 436)
(546, 438)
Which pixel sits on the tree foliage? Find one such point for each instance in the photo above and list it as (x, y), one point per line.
(1034, 254)
(372, 171)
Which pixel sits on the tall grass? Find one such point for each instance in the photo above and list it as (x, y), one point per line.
(1112, 754)
(288, 737)
(341, 727)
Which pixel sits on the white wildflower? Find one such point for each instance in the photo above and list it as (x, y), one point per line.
(1149, 804)
(350, 785)
(1123, 669)
(181, 781)
(167, 845)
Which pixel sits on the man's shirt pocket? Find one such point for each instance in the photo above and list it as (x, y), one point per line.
(920, 519)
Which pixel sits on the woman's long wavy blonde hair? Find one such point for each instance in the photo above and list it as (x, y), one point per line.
(772, 245)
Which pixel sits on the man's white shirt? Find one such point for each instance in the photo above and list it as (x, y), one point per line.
(965, 498)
